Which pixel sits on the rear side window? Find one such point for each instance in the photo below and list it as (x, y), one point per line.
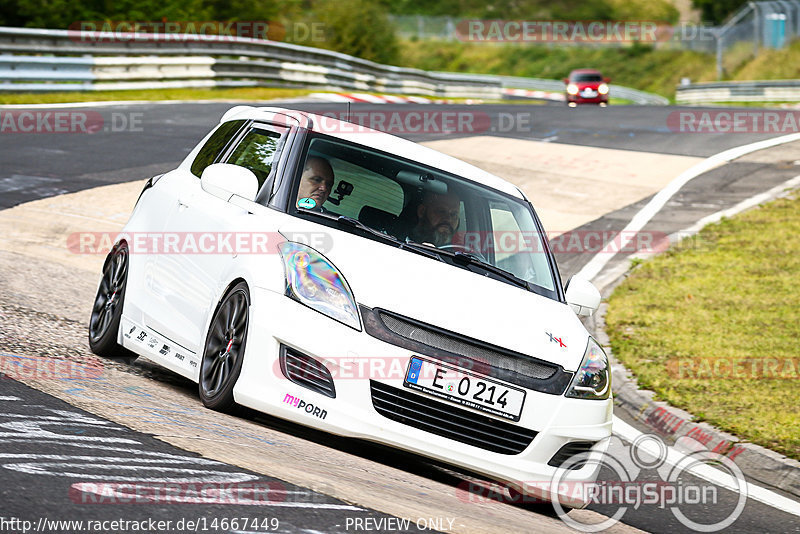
(215, 145)
(257, 151)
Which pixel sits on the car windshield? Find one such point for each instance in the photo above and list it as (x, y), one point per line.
(586, 78)
(424, 209)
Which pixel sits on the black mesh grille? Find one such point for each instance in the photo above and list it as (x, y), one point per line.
(568, 451)
(442, 341)
(307, 372)
(449, 421)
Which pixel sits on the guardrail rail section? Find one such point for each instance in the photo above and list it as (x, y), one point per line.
(63, 60)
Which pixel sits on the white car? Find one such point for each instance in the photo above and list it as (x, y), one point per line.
(355, 307)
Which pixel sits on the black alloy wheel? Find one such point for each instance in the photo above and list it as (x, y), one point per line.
(107, 308)
(224, 350)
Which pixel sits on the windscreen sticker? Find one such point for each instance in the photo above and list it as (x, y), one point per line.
(307, 203)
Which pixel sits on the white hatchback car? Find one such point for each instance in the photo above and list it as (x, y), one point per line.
(362, 284)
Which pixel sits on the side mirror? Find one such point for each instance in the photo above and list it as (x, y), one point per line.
(607, 80)
(224, 180)
(566, 80)
(582, 296)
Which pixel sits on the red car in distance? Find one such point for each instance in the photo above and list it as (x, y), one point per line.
(586, 86)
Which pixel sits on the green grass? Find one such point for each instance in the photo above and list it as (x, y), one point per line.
(244, 93)
(730, 293)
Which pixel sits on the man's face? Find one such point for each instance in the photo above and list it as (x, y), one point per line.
(316, 181)
(439, 218)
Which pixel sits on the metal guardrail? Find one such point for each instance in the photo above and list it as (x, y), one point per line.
(61, 60)
(108, 61)
(756, 91)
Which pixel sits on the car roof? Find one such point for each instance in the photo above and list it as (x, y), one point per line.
(373, 139)
(585, 71)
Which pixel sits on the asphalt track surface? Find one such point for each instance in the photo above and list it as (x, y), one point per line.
(40, 165)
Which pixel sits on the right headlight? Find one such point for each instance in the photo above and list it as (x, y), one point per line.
(593, 379)
(572, 89)
(312, 280)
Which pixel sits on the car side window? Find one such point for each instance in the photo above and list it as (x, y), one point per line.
(215, 145)
(258, 151)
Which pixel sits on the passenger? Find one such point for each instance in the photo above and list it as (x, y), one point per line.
(316, 182)
(437, 219)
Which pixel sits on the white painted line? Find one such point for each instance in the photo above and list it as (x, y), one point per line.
(742, 206)
(596, 264)
(330, 97)
(7, 398)
(608, 276)
(715, 476)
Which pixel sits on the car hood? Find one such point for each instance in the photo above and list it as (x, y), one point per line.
(448, 297)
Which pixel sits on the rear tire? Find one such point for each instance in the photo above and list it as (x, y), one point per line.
(107, 308)
(223, 352)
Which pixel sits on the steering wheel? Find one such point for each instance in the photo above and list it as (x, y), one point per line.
(462, 248)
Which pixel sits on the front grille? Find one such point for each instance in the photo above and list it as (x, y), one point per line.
(437, 339)
(569, 450)
(307, 372)
(449, 421)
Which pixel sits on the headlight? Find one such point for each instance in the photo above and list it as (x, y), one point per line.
(602, 89)
(572, 89)
(312, 280)
(593, 379)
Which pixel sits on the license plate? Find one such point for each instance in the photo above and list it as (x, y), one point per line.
(464, 388)
(589, 92)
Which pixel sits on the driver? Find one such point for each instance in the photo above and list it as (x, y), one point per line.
(316, 181)
(437, 219)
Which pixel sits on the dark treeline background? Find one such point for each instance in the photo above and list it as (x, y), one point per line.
(358, 27)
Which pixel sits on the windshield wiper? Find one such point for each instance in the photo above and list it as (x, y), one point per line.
(431, 251)
(466, 258)
(349, 221)
(355, 223)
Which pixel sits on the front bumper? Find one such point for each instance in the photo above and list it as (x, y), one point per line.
(578, 99)
(357, 360)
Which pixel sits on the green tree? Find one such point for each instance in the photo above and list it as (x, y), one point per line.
(357, 27)
(716, 11)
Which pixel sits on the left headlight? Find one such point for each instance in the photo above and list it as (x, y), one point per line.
(593, 379)
(602, 89)
(312, 280)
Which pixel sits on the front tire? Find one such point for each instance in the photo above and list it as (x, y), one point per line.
(224, 350)
(107, 308)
